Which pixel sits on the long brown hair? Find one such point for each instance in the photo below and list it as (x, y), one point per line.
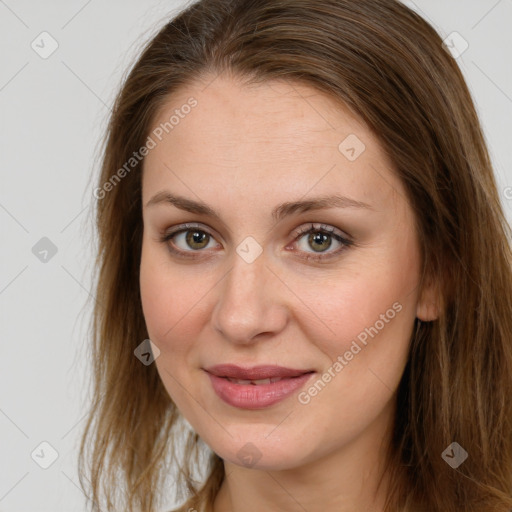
(388, 65)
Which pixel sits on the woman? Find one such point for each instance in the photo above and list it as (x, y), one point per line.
(297, 207)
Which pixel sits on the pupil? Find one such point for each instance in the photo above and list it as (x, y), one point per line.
(196, 237)
(319, 238)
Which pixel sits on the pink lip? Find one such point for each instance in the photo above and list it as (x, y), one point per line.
(256, 396)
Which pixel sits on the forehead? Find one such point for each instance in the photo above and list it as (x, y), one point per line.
(281, 133)
(270, 113)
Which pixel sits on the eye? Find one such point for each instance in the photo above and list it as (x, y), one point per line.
(320, 238)
(189, 238)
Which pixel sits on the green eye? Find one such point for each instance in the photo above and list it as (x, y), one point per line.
(314, 241)
(198, 237)
(320, 238)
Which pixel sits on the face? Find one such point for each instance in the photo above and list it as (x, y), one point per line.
(252, 280)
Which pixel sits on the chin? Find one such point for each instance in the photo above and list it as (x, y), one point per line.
(263, 454)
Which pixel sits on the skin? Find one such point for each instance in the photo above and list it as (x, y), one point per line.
(243, 150)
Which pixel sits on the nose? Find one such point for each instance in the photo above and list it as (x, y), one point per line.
(251, 302)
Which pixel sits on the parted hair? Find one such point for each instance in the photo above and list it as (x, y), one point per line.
(389, 67)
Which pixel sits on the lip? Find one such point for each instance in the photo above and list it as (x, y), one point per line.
(234, 371)
(257, 396)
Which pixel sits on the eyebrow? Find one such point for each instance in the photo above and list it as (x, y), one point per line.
(278, 213)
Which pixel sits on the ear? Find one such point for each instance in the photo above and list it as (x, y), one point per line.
(428, 305)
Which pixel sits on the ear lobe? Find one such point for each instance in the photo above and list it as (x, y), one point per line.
(427, 312)
(427, 308)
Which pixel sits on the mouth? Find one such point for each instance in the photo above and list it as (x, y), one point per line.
(257, 387)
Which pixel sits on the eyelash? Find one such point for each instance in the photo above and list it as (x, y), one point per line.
(298, 234)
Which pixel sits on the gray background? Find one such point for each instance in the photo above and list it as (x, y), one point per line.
(53, 115)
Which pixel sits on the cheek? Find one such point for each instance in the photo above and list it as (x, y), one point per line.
(369, 319)
(167, 299)
(171, 311)
(366, 313)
